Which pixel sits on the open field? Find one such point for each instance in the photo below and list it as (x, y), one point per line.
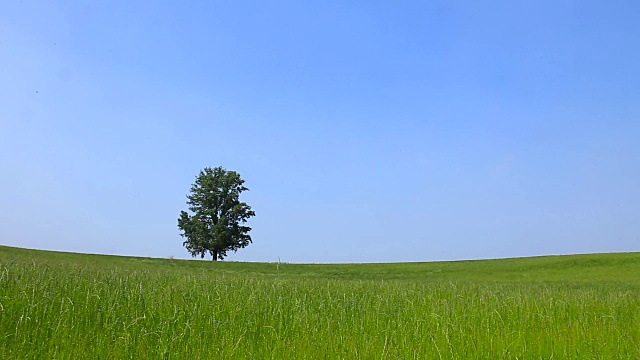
(73, 306)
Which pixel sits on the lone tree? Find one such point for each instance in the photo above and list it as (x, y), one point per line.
(216, 225)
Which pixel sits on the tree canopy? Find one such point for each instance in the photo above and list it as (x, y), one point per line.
(216, 223)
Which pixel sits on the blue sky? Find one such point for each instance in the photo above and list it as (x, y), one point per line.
(366, 131)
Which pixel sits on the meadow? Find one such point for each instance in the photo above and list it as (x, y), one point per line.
(76, 306)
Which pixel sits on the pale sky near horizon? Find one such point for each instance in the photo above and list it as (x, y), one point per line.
(366, 131)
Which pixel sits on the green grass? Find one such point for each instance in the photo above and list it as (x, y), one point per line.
(73, 306)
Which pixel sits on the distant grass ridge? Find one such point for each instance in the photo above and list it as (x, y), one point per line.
(614, 267)
(69, 306)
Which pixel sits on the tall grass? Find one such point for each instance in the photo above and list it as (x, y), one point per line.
(61, 306)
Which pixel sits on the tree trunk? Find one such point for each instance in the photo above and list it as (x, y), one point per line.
(214, 256)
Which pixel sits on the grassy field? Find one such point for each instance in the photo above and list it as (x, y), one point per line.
(73, 306)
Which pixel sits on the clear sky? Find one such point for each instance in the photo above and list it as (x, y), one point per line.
(367, 131)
